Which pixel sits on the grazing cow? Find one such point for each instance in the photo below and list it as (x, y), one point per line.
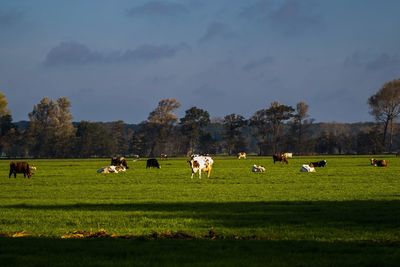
(288, 155)
(119, 161)
(321, 163)
(152, 163)
(199, 164)
(307, 168)
(164, 156)
(258, 168)
(242, 155)
(20, 167)
(379, 162)
(280, 157)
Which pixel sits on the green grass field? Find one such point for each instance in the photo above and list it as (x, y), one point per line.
(347, 214)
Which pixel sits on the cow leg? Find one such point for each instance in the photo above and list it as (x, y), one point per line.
(209, 173)
(199, 174)
(192, 175)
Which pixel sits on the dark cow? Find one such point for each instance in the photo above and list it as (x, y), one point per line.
(152, 163)
(280, 157)
(20, 167)
(119, 161)
(378, 162)
(321, 163)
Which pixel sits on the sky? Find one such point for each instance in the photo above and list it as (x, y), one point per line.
(115, 60)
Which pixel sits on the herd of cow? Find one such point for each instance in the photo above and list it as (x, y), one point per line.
(197, 163)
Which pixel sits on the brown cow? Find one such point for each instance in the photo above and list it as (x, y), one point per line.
(378, 162)
(20, 167)
(280, 157)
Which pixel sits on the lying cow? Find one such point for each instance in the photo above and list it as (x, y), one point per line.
(280, 157)
(241, 155)
(321, 163)
(201, 163)
(378, 162)
(111, 169)
(20, 167)
(152, 163)
(307, 168)
(119, 161)
(258, 168)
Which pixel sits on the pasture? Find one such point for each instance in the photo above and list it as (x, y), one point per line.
(347, 214)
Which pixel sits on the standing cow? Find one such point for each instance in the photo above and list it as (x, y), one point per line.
(20, 167)
(119, 161)
(152, 163)
(201, 163)
(279, 157)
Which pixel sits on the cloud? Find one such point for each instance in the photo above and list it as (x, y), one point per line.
(370, 62)
(10, 17)
(73, 53)
(289, 16)
(217, 30)
(157, 8)
(258, 63)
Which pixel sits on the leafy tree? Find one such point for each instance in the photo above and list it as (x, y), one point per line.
(160, 123)
(301, 124)
(259, 122)
(385, 107)
(51, 130)
(276, 115)
(192, 126)
(233, 123)
(93, 139)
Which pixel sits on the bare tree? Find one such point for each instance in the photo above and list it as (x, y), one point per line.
(385, 107)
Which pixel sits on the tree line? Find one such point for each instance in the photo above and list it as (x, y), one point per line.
(51, 132)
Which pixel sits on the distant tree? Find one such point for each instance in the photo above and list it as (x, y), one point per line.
(93, 140)
(51, 130)
(300, 124)
(233, 124)
(259, 122)
(276, 115)
(160, 123)
(192, 126)
(3, 105)
(385, 107)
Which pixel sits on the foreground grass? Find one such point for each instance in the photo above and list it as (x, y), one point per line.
(347, 208)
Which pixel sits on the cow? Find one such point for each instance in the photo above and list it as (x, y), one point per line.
(321, 163)
(164, 156)
(112, 169)
(288, 155)
(379, 162)
(201, 163)
(258, 168)
(119, 161)
(307, 168)
(20, 167)
(152, 163)
(279, 157)
(241, 155)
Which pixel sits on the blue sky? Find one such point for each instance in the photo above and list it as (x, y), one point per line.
(116, 59)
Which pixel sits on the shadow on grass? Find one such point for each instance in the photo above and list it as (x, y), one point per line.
(369, 215)
(119, 252)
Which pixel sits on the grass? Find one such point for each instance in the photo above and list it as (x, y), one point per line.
(347, 213)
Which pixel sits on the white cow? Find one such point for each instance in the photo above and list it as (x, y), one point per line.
(258, 168)
(111, 169)
(201, 163)
(242, 155)
(288, 155)
(307, 168)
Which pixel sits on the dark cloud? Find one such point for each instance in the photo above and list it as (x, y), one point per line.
(289, 16)
(258, 63)
(157, 8)
(372, 63)
(217, 30)
(72, 53)
(258, 11)
(10, 16)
